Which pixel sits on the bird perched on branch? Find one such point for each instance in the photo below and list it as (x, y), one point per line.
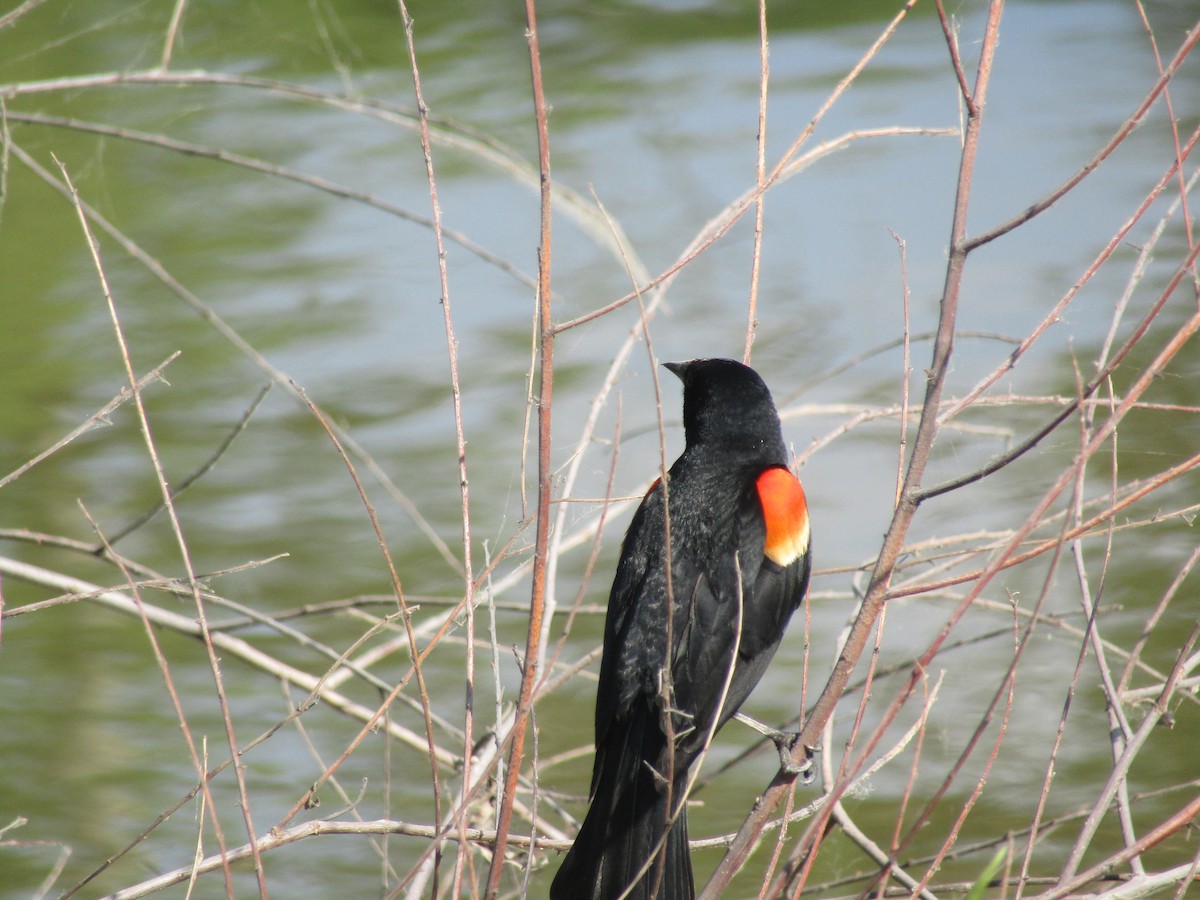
(714, 563)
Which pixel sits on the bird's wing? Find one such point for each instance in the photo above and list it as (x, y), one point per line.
(770, 533)
(715, 606)
(640, 573)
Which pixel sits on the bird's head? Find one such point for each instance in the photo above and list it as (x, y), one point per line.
(727, 404)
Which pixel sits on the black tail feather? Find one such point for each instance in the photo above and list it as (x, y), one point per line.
(619, 842)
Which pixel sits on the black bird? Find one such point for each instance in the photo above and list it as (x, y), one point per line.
(719, 599)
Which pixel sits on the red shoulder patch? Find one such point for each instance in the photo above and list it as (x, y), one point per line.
(785, 510)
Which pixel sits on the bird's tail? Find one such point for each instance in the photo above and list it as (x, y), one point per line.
(617, 848)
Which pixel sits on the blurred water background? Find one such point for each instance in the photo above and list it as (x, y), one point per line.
(654, 114)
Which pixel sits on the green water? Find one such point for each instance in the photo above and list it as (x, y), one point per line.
(655, 110)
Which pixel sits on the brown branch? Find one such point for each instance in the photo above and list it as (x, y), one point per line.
(164, 668)
(10, 17)
(1135, 119)
(1089, 637)
(273, 170)
(1153, 619)
(209, 315)
(1120, 771)
(1151, 485)
(1170, 826)
(1103, 434)
(1025, 446)
(406, 615)
(172, 33)
(760, 173)
(98, 419)
(105, 546)
(456, 395)
(537, 601)
(1054, 315)
(1007, 690)
(276, 839)
(905, 510)
(177, 529)
(906, 365)
(1180, 153)
(952, 45)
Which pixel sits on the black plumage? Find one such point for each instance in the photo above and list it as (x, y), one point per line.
(738, 567)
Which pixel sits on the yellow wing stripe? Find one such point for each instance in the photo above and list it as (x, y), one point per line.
(785, 510)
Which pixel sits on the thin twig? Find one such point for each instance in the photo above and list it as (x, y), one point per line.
(196, 475)
(200, 764)
(460, 437)
(10, 17)
(1135, 119)
(760, 172)
(97, 419)
(406, 616)
(1054, 315)
(905, 510)
(229, 646)
(279, 377)
(172, 34)
(534, 641)
(177, 530)
(1120, 770)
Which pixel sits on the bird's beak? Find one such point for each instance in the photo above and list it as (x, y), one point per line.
(678, 368)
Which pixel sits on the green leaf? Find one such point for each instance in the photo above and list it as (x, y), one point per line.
(977, 889)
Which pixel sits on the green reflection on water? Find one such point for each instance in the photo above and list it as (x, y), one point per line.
(656, 107)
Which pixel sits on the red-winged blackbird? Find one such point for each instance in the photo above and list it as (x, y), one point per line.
(720, 599)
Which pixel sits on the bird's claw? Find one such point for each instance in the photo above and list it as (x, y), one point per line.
(785, 743)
